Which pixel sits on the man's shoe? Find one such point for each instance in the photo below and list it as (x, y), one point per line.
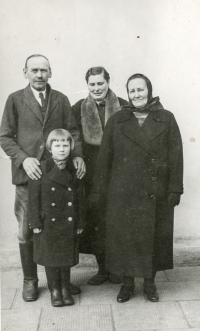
(98, 279)
(66, 296)
(115, 279)
(125, 293)
(74, 289)
(30, 290)
(151, 292)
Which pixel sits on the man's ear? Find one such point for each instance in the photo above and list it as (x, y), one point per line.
(50, 73)
(25, 72)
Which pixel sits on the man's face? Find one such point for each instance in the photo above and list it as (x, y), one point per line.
(37, 72)
(98, 86)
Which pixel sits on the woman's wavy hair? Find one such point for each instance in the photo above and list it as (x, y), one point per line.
(97, 71)
(149, 85)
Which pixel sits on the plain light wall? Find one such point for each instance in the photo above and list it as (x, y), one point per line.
(159, 38)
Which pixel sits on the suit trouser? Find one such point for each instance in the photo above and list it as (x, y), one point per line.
(25, 234)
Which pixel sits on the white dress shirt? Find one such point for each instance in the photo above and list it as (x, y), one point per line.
(36, 95)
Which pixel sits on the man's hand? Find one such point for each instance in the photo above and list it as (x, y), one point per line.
(174, 199)
(37, 230)
(31, 166)
(79, 164)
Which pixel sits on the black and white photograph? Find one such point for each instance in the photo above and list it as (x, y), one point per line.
(100, 165)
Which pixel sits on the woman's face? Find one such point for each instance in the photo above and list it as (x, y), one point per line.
(98, 87)
(138, 92)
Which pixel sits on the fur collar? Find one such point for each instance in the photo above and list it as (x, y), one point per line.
(91, 124)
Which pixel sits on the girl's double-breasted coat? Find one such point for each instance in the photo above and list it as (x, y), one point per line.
(139, 167)
(56, 204)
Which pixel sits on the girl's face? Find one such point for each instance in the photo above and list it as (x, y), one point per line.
(138, 92)
(60, 149)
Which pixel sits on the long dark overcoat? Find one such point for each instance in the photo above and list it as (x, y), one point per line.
(143, 165)
(56, 203)
(91, 241)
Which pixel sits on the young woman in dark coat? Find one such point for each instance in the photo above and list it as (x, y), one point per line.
(56, 214)
(91, 115)
(141, 162)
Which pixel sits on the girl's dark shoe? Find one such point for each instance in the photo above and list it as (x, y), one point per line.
(74, 290)
(151, 292)
(56, 298)
(66, 296)
(125, 293)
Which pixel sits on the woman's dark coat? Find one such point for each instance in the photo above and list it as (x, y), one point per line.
(90, 240)
(142, 165)
(56, 204)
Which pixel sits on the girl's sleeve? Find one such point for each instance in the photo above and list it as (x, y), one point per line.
(34, 203)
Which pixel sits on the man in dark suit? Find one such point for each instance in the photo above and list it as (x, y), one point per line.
(30, 115)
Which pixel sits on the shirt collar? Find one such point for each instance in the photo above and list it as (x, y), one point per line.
(36, 93)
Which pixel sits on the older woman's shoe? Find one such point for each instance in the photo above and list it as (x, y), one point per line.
(151, 292)
(125, 293)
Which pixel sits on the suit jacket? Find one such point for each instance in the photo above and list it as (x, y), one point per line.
(57, 204)
(24, 131)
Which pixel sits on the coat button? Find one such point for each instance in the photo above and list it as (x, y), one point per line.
(41, 147)
(69, 219)
(53, 219)
(53, 188)
(153, 197)
(69, 189)
(53, 204)
(153, 160)
(153, 178)
(69, 203)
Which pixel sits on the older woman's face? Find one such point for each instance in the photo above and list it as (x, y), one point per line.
(138, 92)
(98, 87)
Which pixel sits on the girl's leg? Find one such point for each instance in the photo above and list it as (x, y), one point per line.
(127, 289)
(73, 288)
(54, 279)
(150, 288)
(65, 287)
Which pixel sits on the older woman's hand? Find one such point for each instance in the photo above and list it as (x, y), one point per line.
(174, 199)
(79, 164)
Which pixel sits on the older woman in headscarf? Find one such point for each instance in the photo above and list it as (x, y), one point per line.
(141, 162)
(91, 116)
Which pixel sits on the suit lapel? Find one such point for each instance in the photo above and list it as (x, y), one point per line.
(32, 103)
(52, 103)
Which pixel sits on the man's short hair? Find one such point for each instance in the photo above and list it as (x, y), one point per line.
(36, 55)
(59, 134)
(97, 71)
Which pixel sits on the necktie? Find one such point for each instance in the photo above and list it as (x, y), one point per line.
(41, 96)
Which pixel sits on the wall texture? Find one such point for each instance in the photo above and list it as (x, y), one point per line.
(158, 38)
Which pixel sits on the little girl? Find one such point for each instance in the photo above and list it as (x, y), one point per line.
(56, 215)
